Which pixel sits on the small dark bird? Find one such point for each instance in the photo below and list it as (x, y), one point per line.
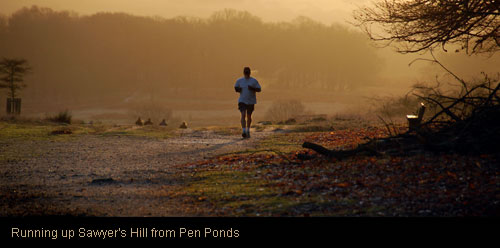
(138, 122)
(184, 125)
(163, 123)
(148, 122)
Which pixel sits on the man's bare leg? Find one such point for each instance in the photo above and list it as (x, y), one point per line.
(249, 122)
(243, 123)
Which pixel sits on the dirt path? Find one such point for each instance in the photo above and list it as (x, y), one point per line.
(106, 175)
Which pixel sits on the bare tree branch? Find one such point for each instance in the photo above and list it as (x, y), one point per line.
(419, 25)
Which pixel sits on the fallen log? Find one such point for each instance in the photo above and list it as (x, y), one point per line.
(317, 148)
(340, 154)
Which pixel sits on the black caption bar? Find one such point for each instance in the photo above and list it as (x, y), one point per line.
(244, 230)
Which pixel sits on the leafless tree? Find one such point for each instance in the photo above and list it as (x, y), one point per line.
(418, 25)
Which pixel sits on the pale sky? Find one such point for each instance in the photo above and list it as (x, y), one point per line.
(326, 11)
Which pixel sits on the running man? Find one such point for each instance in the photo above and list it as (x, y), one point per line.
(246, 86)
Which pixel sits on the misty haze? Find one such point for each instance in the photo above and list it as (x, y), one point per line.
(144, 110)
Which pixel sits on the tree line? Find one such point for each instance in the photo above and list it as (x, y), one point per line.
(116, 54)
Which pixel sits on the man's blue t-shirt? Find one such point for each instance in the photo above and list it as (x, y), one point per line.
(247, 96)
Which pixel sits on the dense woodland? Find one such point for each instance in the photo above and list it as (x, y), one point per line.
(118, 55)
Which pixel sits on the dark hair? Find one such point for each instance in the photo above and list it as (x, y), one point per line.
(246, 69)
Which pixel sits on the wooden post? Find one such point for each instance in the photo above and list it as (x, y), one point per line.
(14, 106)
(9, 106)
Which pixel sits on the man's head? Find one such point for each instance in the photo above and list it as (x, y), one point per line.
(246, 72)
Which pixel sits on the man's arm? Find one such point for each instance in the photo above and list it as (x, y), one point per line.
(257, 87)
(254, 89)
(237, 87)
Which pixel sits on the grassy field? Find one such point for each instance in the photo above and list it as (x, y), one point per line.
(270, 180)
(265, 179)
(45, 130)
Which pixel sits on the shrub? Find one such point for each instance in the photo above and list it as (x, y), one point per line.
(285, 110)
(62, 117)
(395, 107)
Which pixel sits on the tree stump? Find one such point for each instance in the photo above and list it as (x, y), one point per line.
(415, 120)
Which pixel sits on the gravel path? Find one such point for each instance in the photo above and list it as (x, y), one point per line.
(105, 175)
